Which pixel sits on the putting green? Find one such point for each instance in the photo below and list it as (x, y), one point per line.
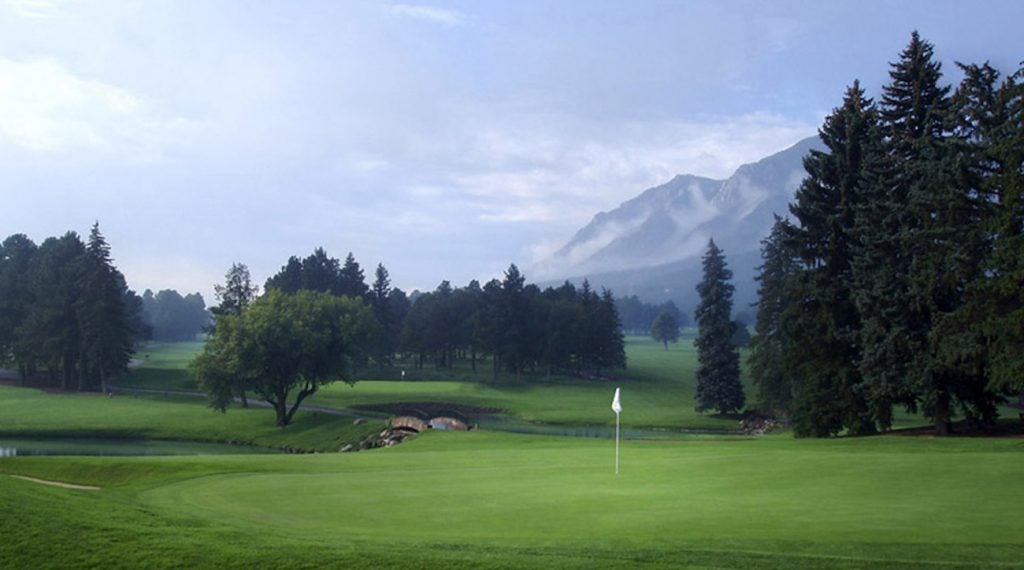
(864, 499)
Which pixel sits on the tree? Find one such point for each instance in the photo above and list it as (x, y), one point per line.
(16, 257)
(513, 318)
(283, 348)
(822, 322)
(320, 272)
(934, 241)
(665, 328)
(237, 292)
(718, 371)
(390, 326)
(50, 335)
(173, 318)
(612, 345)
(990, 119)
(289, 279)
(351, 281)
(768, 363)
(106, 335)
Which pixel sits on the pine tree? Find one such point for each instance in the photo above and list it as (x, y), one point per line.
(990, 125)
(768, 366)
(390, 327)
(289, 279)
(612, 345)
(822, 323)
(938, 244)
(718, 372)
(106, 335)
(351, 281)
(16, 257)
(1004, 322)
(237, 292)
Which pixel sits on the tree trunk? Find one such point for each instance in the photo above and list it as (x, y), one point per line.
(281, 411)
(942, 413)
(245, 401)
(303, 393)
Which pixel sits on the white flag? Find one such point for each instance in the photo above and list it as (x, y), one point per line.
(616, 405)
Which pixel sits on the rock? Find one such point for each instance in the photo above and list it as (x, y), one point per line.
(358, 422)
(347, 448)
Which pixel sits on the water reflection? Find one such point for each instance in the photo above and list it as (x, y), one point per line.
(17, 447)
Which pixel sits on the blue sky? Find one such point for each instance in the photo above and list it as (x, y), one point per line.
(444, 139)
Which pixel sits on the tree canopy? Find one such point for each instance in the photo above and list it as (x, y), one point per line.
(283, 348)
(898, 283)
(65, 309)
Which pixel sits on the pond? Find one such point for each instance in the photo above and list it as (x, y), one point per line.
(11, 447)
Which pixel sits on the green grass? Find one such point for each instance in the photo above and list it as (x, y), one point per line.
(657, 391)
(489, 499)
(658, 388)
(501, 500)
(33, 413)
(162, 366)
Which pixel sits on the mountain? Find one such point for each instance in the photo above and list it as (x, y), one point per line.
(651, 246)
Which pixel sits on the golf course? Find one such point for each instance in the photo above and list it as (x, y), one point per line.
(533, 486)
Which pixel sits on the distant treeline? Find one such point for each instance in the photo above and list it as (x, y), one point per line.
(66, 310)
(638, 317)
(173, 318)
(514, 326)
(900, 280)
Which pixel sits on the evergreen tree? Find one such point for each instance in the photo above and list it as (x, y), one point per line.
(16, 258)
(991, 119)
(718, 372)
(237, 292)
(50, 335)
(612, 345)
(821, 323)
(289, 279)
(351, 281)
(390, 326)
(768, 363)
(106, 336)
(321, 272)
(938, 239)
(513, 319)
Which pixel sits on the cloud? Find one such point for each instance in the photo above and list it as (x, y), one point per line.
(444, 17)
(35, 9)
(561, 173)
(44, 107)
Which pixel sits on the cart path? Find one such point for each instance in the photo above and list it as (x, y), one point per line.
(57, 483)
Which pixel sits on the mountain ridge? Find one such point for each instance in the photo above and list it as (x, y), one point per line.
(651, 244)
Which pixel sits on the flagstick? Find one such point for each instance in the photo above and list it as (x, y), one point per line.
(616, 444)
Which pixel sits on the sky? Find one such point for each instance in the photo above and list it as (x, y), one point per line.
(445, 140)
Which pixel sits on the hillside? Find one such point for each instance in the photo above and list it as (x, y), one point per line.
(651, 245)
